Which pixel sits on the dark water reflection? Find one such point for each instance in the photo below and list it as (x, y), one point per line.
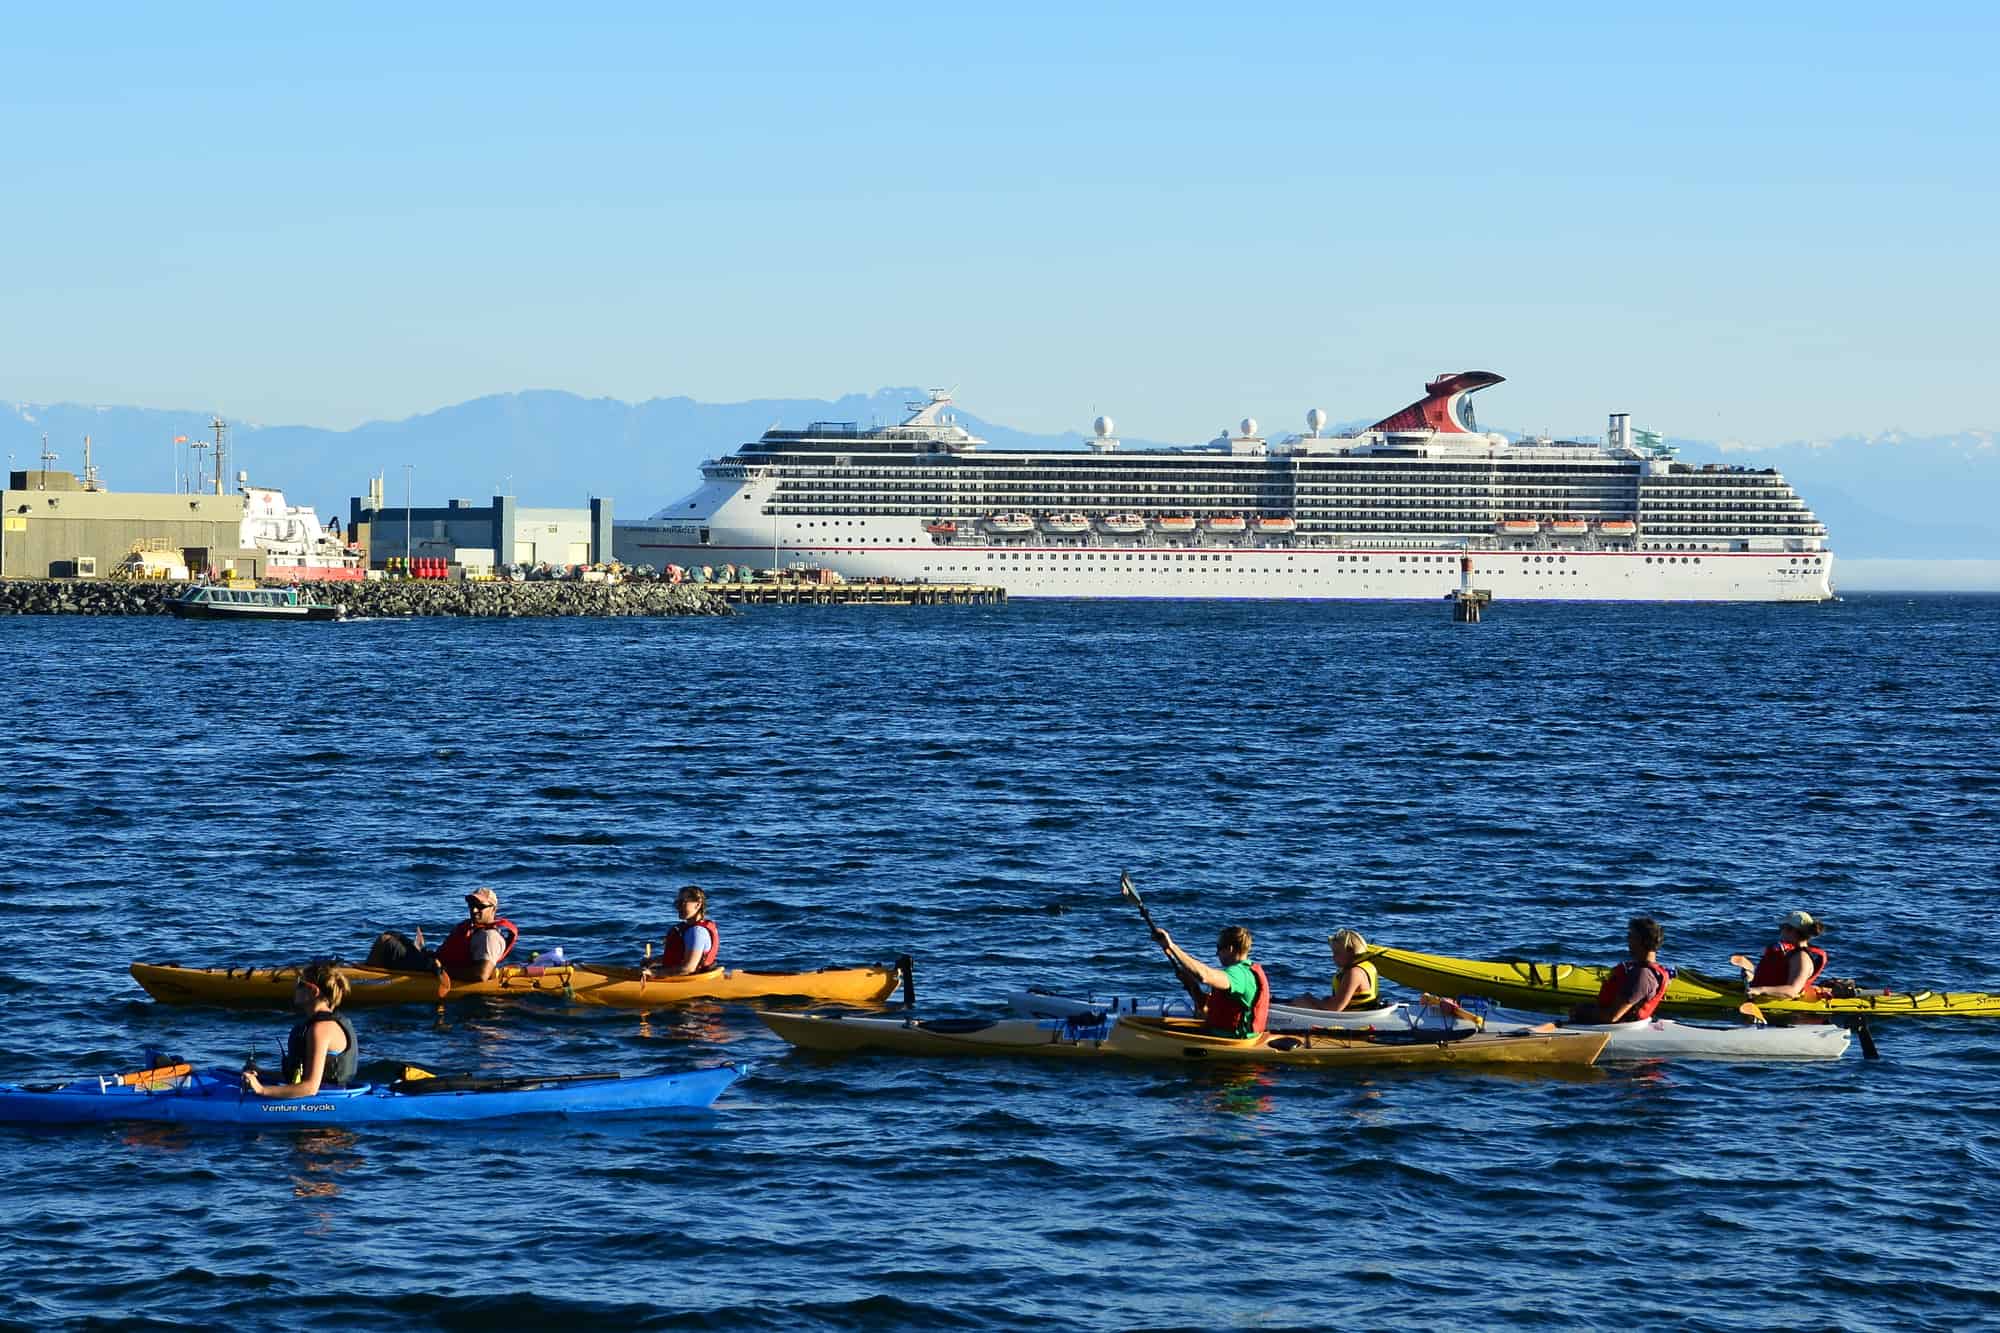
(964, 785)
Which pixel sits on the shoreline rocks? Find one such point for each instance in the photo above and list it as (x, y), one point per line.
(108, 597)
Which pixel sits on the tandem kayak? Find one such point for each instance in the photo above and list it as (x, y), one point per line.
(1557, 986)
(626, 988)
(1651, 1039)
(1667, 1039)
(1173, 1039)
(593, 983)
(217, 1097)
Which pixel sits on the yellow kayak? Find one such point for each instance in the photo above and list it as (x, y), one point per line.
(1174, 1039)
(619, 987)
(1554, 987)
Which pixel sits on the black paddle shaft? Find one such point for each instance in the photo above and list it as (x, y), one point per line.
(1126, 890)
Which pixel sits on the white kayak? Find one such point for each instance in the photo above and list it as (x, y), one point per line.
(1651, 1039)
(1037, 1003)
(1670, 1039)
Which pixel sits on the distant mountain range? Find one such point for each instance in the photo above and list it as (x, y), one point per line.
(1884, 496)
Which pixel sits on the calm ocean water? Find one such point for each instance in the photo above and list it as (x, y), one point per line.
(965, 785)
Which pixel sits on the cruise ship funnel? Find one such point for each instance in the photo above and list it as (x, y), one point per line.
(1443, 408)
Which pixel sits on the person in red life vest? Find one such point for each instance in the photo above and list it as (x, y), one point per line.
(472, 952)
(1633, 989)
(691, 943)
(1789, 967)
(322, 1050)
(1237, 1002)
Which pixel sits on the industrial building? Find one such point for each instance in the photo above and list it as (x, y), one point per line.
(463, 533)
(57, 525)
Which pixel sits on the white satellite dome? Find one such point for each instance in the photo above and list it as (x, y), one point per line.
(1248, 426)
(1103, 426)
(1316, 420)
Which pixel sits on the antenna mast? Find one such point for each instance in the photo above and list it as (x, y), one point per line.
(221, 452)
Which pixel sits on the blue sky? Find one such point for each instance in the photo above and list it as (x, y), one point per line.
(1759, 228)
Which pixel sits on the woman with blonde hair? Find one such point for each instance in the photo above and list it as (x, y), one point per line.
(1355, 981)
(321, 1050)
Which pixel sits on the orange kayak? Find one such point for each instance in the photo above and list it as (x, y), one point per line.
(619, 987)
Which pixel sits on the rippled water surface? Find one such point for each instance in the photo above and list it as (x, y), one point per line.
(965, 784)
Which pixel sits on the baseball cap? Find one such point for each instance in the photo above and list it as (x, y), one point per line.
(1799, 921)
(483, 897)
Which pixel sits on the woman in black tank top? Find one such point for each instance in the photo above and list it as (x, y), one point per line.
(322, 1050)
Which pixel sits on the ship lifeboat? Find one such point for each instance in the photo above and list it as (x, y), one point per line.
(1283, 526)
(1177, 523)
(944, 527)
(1124, 525)
(1569, 527)
(1517, 527)
(1618, 527)
(1065, 525)
(1010, 525)
(1225, 523)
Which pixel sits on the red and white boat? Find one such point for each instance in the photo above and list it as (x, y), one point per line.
(1065, 525)
(1517, 527)
(1122, 525)
(1569, 527)
(295, 545)
(1618, 527)
(1174, 523)
(1281, 526)
(1225, 523)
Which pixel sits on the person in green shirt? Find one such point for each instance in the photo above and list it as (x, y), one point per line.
(1233, 999)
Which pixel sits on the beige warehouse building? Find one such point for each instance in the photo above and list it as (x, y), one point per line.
(52, 527)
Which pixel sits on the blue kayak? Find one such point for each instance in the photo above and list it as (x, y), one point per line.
(217, 1097)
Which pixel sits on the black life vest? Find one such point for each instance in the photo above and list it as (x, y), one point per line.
(340, 1065)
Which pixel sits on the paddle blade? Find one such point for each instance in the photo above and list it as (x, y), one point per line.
(444, 983)
(1751, 1012)
(1125, 888)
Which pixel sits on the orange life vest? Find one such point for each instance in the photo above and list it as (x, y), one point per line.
(455, 954)
(1775, 967)
(1224, 1012)
(673, 949)
(1613, 991)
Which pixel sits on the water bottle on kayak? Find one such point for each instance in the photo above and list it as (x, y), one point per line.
(543, 961)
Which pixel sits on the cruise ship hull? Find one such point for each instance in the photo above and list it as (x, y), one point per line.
(1385, 514)
(1026, 570)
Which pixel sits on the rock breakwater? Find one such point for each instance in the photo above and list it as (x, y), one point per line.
(87, 597)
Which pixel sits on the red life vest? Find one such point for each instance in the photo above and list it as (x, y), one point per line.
(1224, 1012)
(673, 950)
(455, 954)
(1612, 992)
(1775, 967)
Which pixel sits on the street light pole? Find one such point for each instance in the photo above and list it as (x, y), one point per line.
(409, 472)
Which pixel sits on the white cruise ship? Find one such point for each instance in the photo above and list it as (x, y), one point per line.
(1387, 512)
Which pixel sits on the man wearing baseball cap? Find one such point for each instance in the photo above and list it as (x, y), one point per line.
(1788, 968)
(472, 952)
